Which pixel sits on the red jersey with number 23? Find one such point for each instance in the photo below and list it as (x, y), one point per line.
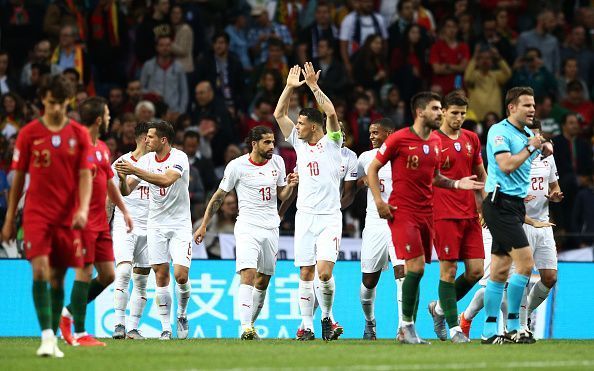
(99, 156)
(414, 162)
(458, 158)
(53, 161)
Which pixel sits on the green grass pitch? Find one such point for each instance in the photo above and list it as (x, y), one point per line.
(19, 354)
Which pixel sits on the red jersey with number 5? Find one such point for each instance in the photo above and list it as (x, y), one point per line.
(458, 158)
(414, 162)
(99, 156)
(53, 161)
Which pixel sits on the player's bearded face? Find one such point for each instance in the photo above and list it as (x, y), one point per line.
(265, 146)
(433, 115)
(104, 126)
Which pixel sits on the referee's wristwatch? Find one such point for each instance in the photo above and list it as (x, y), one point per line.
(530, 148)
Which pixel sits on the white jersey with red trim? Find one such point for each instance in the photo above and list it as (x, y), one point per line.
(137, 202)
(542, 173)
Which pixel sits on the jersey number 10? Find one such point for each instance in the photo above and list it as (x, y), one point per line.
(314, 170)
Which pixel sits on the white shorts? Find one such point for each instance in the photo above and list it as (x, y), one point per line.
(542, 243)
(130, 247)
(487, 242)
(377, 249)
(255, 247)
(170, 245)
(317, 237)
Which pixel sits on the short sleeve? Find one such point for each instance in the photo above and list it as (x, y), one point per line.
(554, 175)
(282, 179)
(498, 141)
(346, 28)
(180, 164)
(229, 177)
(351, 171)
(361, 171)
(388, 150)
(20, 156)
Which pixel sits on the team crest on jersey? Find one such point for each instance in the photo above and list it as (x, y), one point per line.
(426, 149)
(56, 141)
(71, 145)
(457, 146)
(99, 156)
(469, 148)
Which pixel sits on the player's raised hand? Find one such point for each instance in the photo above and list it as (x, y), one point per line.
(129, 222)
(123, 167)
(199, 234)
(8, 230)
(310, 75)
(539, 224)
(385, 210)
(469, 183)
(79, 220)
(294, 76)
(555, 196)
(292, 180)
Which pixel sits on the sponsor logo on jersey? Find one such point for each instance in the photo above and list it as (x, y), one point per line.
(425, 149)
(498, 140)
(56, 141)
(457, 146)
(38, 141)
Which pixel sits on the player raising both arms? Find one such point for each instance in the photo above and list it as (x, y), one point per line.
(53, 150)
(414, 153)
(96, 237)
(169, 227)
(259, 178)
(457, 227)
(318, 223)
(130, 249)
(377, 247)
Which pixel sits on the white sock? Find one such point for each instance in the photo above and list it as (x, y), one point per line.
(246, 304)
(537, 295)
(367, 297)
(164, 303)
(120, 292)
(66, 313)
(476, 304)
(326, 299)
(183, 297)
(306, 302)
(47, 334)
(258, 299)
(399, 282)
(138, 299)
(438, 308)
(524, 309)
(317, 293)
(454, 330)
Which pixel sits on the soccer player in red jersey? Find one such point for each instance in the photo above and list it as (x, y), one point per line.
(96, 237)
(458, 232)
(414, 154)
(53, 151)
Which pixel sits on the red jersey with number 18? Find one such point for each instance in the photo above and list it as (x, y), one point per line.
(53, 161)
(414, 162)
(99, 156)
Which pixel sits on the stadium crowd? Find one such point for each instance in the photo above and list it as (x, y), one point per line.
(216, 69)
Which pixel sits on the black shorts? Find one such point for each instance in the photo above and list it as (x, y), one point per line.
(505, 218)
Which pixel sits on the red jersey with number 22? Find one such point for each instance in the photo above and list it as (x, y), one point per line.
(99, 156)
(53, 161)
(414, 162)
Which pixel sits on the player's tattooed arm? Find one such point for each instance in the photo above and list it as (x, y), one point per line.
(311, 78)
(466, 183)
(213, 206)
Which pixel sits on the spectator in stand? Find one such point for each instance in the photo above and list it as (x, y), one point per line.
(503, 26)
(570, 72)
(424, 17)
(287, 12)
(269, 87)
(165, 76)
(260, 115)
(116, 101)
(576, 102)
(466, 32)
(405, 17)
(151, 27)
(222, 222)
(393, 107)
(550, 114)
(448, 57)
(127, 139)
(583, 214)
(196, 187)
(231, 153)
(359, 122)
(41, 55)
(225, 73)
(7, 82)
(112, 144)
(4, 189)
(484, 83)
(356, 27)
(133, 95)
(191, 144)
(577, 47)
(333, 78)
(321, 29)
(491, 38)
(12, 115)
(238, 40)
(408, 63)
(70, 54)
(183, 43)
(540, 37)
(145, 111)
(61, 12)
(529, 70)
(369, 66)
(264, 31)
(38, 73)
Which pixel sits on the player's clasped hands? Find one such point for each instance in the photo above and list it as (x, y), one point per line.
(385, 210)
(124, 168)
(555, 196)
(470, 183)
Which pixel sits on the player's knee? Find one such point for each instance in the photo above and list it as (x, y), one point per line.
(448, 274)
(181, 277)
(325, 276)
(475, 274)
(549, 279)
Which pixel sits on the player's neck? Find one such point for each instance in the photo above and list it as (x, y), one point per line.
(163, 152)
(94, 134)
(449, 132)
(315, 137)
(421, 130)
(517, 123)
(52, 125)
(138, 153)
(257, 159)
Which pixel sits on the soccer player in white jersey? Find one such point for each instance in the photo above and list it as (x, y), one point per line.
(130, 249)
(318, 222)
(169, 226)
(259, 179)
(544, 187)
(348, 173)
(377, 248)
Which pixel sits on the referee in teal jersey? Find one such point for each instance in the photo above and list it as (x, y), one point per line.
(511, 146)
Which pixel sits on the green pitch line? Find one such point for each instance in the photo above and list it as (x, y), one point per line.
(19, 354)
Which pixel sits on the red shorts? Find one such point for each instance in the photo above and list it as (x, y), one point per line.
(98, 246)
(60, 243)
(412, 235)
(459, 239)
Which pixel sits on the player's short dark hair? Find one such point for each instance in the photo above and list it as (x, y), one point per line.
(533, 49)
(59, 86)
(422, 99)
(385, 123)
(255, 134)
(313, 115)
(72, 70)
(513, 94)
(90, 109)
(536, 124)
(163, 129)
(191, 134)
(140, 129)
(455, 98)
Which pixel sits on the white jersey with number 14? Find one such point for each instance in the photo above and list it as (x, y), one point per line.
(137, 202)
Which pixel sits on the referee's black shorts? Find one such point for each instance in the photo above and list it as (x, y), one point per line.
(505, 218)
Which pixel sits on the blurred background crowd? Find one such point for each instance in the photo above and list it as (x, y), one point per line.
(215, 68)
